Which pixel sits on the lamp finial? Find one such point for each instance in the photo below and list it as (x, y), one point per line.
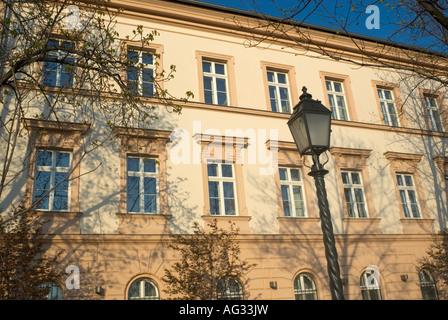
(305, 95)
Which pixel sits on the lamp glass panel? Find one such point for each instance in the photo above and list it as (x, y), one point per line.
(319, 127)
(299, 132)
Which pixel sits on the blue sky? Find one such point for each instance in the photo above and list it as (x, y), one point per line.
(386, 14)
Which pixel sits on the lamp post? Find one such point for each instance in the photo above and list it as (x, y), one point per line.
(310, 126)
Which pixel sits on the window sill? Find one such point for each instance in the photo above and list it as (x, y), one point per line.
(299, 225)
(57, 222)
(417, 225)
(241, 222)
(362, 225)
(143, 223)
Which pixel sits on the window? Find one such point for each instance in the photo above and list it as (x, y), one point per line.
(51, 180)
(59, 74)
(433, 113)
(336, 97)
(408, 195)
(388, 107)
(143, 289)
(215, 83)
(427, 285)
(229, 289)
(142, 185)
(140, 80)
(304, 287)
(292, 192)
(370, 286)
(354, 194)
(279, 91)
(221, 187)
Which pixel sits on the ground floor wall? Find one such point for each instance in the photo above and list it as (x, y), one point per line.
(108, 264)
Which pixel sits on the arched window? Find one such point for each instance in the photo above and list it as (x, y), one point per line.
(370, 285)
(143, 289)
(55, 292)
(427, 285)
(304, 287)
(229, 289)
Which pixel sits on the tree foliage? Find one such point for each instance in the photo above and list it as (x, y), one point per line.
(436, 261)
(206, 260)
(26, 268)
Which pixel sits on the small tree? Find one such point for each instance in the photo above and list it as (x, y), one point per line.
(25, 270)
(208, 260)
(436, 262)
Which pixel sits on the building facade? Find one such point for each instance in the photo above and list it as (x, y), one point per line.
(230, 155)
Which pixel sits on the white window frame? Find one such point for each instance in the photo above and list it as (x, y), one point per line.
(53, 169)
(60, 55)
(277, 85)
(352, 187)
(384, 104)
(300, 288)
(368, 289)
(140, 70)
(406, 189)
(141, 174)
(141, 288)
(332, 96)
(434, 113)
(214, 77)
(290, 185)
(220, 179)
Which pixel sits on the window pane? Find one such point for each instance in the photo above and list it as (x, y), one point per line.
(345, 178)
(207, 83)
(150, 185)
(60, 200)
(226, 170)
(337, 86)
(355, 178)
(222, 99)
(221, 85)
(219, 68)
(214, 206)
(387, 94)
(283, 174)
(150, 204)
(42, 180)
(298, 201)
(281, 78)
(349, 201)
(147, 58)
(399, 180)
(43, 158)
(149, 165)
(212, 169)
(230, 206)
(404, 203)
(270, 76)
(133, 202)
(133, 164)
(213, 189)
(61, 181)
(286, 201)
(408, 181)
(295, 175)
(206, 66)
(228, 189)
(62, 159)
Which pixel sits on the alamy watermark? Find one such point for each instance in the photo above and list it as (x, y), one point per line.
(372, 277)
(373, 20)
(73, 280)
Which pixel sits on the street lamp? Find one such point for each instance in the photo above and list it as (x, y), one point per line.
(310, 126)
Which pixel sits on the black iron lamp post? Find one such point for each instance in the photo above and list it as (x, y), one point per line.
(310, 126)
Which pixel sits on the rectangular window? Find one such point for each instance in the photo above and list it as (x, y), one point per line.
(279, 92)
(292, 192)
(59, 73)
(433, 113)
(388, 108)
(336, 96)
(221, 189)
(140, 75)
(142, 185)
(51, 180)
(354, 194)
(215, 83)
(408, 195)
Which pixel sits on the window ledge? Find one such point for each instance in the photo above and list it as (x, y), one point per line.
(143, 223)
(361, 225)
(241, 222)
(57, 222)
(417, 225)
(299, 225)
